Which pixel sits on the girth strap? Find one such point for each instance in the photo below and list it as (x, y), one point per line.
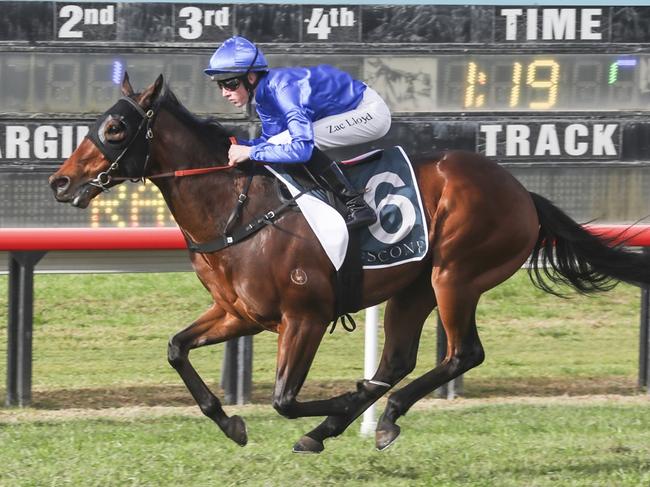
(239, 234)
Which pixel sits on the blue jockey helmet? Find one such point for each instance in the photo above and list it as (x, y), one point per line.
(237, 56)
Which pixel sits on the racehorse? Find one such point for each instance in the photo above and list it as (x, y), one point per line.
(483, 226)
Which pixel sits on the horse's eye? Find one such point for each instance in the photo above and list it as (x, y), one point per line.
(115, 131)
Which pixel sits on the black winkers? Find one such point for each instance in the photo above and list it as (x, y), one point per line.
(128, 118)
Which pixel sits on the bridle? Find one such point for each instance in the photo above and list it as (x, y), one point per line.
(132, 112)
(115, 156)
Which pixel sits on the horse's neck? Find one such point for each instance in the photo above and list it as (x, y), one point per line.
(202, 204)
(197, 202)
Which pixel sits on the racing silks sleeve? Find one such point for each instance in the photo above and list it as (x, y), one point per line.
(288, 102)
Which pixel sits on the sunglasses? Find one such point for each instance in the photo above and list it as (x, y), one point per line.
(229, 84)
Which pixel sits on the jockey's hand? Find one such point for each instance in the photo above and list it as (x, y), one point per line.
(238, 153)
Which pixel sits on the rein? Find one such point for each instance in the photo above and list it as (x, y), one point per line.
(181, 172)
(104, 178)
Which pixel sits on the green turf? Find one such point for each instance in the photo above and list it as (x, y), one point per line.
(495, 445)
(96, 331)
(100, 340)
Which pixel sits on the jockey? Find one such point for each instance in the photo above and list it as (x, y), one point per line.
(303, 111)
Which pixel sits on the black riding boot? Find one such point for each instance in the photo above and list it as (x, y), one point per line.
(359, 214)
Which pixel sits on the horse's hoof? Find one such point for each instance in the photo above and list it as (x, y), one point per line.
(308, 445)
(386, 436)
(236, 430)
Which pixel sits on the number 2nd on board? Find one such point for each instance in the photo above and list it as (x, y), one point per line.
(533, 80)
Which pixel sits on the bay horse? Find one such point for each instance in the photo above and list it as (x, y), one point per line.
(483, 226)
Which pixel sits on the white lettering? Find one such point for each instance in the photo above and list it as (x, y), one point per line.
(193, 16)
(85, 16)
(395, 252)
(222, 17)
(75, 12)
(45, 142)
(517, 140)
(490, 132)
(334, 17)
(66, 141)
(403, 204)
(553, 23)
(42, 142)
(603, 143)
(511, 15)
(318, 24)
(347, 18)
(547, 141)
(588, 24)
(17, 142)
(571, 145)
(321, 21)
(579, 140)
(107, 15)
(197, 18)
(559, 24)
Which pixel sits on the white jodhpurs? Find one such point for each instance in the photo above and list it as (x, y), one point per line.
(369, 121)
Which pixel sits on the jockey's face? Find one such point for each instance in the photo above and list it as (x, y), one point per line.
(238, 96)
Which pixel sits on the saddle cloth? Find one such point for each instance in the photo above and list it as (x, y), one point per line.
(400, 233)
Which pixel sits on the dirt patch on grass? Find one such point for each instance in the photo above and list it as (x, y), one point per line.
(177, 395)
(138, 413)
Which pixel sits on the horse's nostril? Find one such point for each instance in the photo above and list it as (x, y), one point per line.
(60, 183)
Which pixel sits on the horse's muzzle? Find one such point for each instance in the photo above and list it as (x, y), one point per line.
(60, 185)
(63, 193)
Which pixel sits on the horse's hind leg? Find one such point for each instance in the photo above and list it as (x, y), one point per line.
(457, 308)
(214, 326)
(403, 320)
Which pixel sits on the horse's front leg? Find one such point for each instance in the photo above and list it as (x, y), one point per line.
(298, 342)
(214, 326)
(297, 345)
(405, 314)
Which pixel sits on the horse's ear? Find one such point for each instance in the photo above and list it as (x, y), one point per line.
(149, 96)
(127, 89)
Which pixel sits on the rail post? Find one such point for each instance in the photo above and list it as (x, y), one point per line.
(237, 370)
(369, 422)
(20, 327)
(644, 336)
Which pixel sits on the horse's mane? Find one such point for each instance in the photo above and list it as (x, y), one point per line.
(208, 129)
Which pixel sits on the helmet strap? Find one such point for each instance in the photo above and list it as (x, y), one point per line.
(250, 87)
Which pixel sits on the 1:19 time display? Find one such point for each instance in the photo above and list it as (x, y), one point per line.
(530, 83)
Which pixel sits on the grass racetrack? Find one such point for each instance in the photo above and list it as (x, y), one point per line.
(555, 402)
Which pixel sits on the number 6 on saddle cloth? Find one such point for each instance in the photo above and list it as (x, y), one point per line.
(399, 234)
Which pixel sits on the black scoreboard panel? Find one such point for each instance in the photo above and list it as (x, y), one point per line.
(557, 94)
(82, 82)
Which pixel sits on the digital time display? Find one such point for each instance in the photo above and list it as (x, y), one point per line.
(521, 82)
(82, 83)
(548, 82)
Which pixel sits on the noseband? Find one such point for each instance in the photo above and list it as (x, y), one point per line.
(131, 115)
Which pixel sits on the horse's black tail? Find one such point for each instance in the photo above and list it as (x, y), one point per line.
(566, 253)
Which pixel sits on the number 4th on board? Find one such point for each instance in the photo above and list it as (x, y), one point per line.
(321, 21)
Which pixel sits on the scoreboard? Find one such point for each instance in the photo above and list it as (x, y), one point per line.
(557, 94)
